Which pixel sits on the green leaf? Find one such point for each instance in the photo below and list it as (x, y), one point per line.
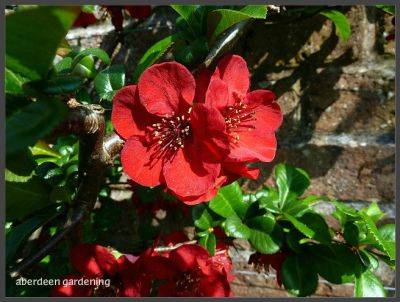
(17, 235)
(268, 199)
(351, 233)
(85, 68)
(317, 224)
(14, 82)
(229, 202)
(153, 54)
(20, 166)
(374, 212)
(42, 148)
(193, 53)
(63, 66)
(209, 242)
(300, 226)
(388, 232)
(255, 11)
(201, 217)
(32, 122)
(390, 9)
(385, 246)
(109, 81)
(263, 242)
(188, 13)
(298, 277)
(370, 259)
(264, 223)
(33, 36)
(88, 9)
(368, 285)
(220, 20)
(342, 25)
(234, 227)
(344, 208)
(23, 198)
(299, 206)
(336, 263)
(63, 84)
(291, 182)
(96, 52)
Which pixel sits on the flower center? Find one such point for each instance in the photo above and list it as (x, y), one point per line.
(187, 283)
(170, 133)
(238, 118)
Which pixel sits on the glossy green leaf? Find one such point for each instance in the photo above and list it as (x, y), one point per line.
(269, 200)
(300, 226)
(14, 83)
(388, 232)
(201, 217)
(153, 54)
(351, 233)
(20, 166)
(336, 263)
(373, 211)
(95, 52)
(317, 224)
(291, 182)
(33, 36)
(188, 13)
(263, 242)
(229, 201)
(209, 242)
(368, 285)
(298, 276)
(220, 20)
(390, 9)
(346, 209)
(33, 122)
(42, 148)
(23, 198)
(193, 53)
(109, 81)
(255, 11)
(385, 246)
(234, 227)
(342, 25)
(264, 223)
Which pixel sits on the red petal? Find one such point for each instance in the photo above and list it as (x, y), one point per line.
(85, 19)
(83, 259)
(160, 268)
(139, 164)
(106, 260)
(70, 290)
(214, 287)
(139, 11)
(217, 94)
(208, 126)
(166, 88)
(253, 146)
(175, 238)
(267, 112)
(128, 116)
(240, 169)
(116, 16)
(187, 175)
(202, 77)
(232, 69)
(167, 290)
(187, 256)
(193, 200)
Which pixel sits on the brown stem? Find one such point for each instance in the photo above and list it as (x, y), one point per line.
(161, 249)
(97, 152)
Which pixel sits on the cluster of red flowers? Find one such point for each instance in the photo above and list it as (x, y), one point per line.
(193, 135)
(116, 12)
(187, 271)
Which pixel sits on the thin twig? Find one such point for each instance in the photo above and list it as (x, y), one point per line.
(162, 249)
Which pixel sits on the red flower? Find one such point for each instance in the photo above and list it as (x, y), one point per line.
(116, 12)
(93, 260)
(189, 273)
(251, 117)
(264, 261)
(169, 140)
